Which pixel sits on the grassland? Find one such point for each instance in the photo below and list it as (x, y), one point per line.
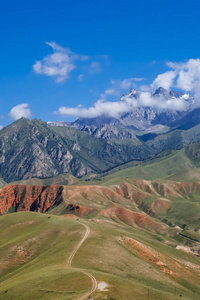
(158, 168)
(61, 179)
(33, 253)
(133, 263)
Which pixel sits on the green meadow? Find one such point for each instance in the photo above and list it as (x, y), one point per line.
(35, 247)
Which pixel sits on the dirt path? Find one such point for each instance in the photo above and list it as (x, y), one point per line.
(69, 263)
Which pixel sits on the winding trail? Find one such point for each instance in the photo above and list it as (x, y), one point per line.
(69, 264)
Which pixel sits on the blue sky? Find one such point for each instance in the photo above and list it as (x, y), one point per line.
(65, 53)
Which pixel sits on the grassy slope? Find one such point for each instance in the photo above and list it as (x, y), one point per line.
(178, 160)
(179, 165)
(44, 245)
(127, 273)
(153, 169)
(33, 258)
(186, 175)
(61, 179)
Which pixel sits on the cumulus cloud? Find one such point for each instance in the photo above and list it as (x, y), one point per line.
(63, 61)
(147, 100)
(115, 109)
(188, 78)
(19, 111)
(184, 75)
(101, 107)
(164, 80)
(59, 64)
(1, 127)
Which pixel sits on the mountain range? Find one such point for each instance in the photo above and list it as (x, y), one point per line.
(139, 118)
(37, 149)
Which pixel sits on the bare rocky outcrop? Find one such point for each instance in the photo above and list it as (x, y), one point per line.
(29, 198)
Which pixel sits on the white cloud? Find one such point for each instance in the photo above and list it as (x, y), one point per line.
(188, 76)
(145, 99)
(1, 127)
(115, 109)
(59, 64)
(101, 107)
(63, 61)
(145, 88)
(138, 79)
(164, 80)
(80, 77)
(126, 83)
(95, 67)
(119, 85)
(19, 111)
(112, 92)
(184, 76)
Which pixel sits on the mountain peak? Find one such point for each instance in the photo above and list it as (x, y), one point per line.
(132, 90)
(161, 91)
(132, 93)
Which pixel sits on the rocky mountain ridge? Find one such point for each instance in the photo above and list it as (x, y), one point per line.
(31, 149)
(140, 118)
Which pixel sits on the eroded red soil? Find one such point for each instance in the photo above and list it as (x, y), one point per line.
(29, 198)
(137, 219)
(124, 202)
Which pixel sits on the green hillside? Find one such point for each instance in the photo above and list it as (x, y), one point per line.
(33, 258)
(61, 179)
(127, 261)
(178, 165)
(186, 175)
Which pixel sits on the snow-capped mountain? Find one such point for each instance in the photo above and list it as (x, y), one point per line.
(152, 118)
(144, 117)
